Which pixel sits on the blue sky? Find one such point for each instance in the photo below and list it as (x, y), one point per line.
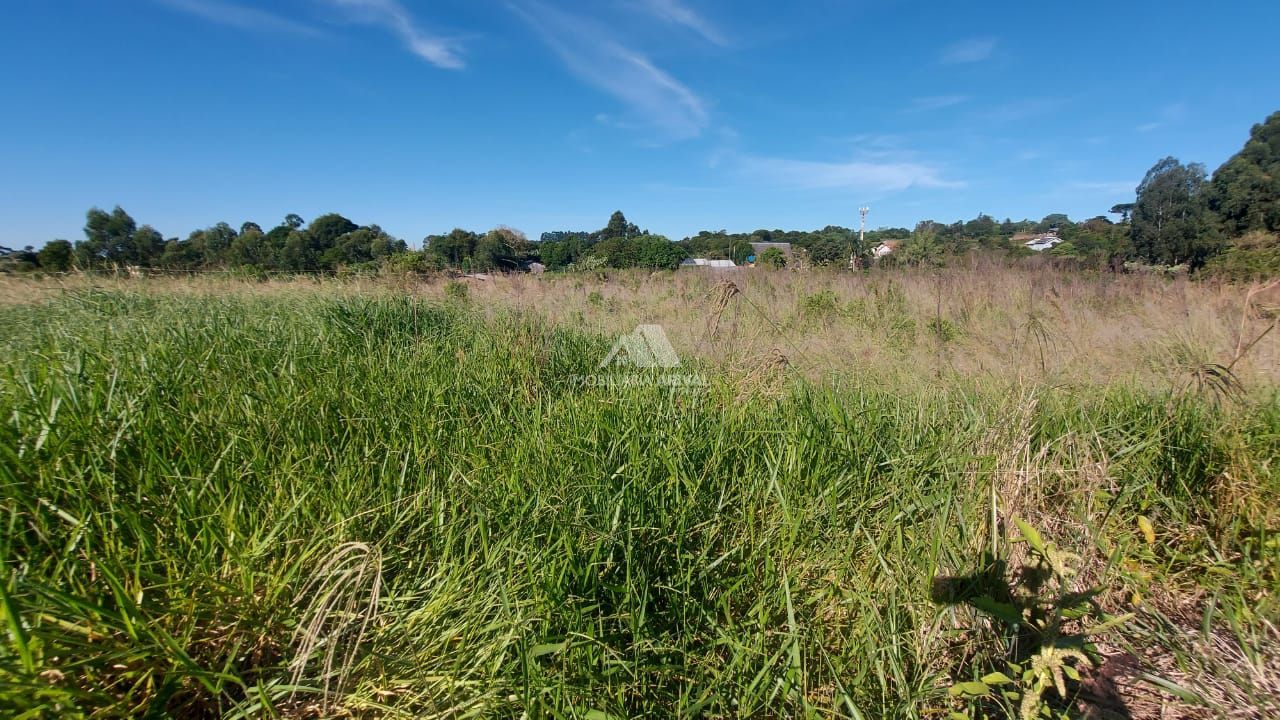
(550, 114)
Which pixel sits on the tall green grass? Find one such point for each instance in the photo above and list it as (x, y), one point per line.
(177, 474)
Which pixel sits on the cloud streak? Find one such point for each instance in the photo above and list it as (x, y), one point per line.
(590, 53)
(858, 175)
(440, 51)
(1023, 109)
(1119, 188)
(936, 102)
(968, 51)
(674, 12)
(1169, 114)
(239, 16)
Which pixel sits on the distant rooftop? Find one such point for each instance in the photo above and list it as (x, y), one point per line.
(760, 247)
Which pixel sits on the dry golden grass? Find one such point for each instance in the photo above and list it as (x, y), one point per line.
(1040, 325)
(980, 320)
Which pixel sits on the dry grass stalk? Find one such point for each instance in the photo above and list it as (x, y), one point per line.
(720, 295)
(338, 604)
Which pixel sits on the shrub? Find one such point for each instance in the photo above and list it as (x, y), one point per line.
(773, 258)
(822, 305)
(1255, 256)
(455, 290)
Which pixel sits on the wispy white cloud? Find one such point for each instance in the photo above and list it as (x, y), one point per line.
(673, 11)
(1169, 114)
(440, 51)
(968, 51)
(936, 102)
(1024, 109)
(1118, 188)
(591, 53)
(865, 142)
(240, 16)
(857, 175)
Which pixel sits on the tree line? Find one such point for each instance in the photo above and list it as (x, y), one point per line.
(1181, 217)
(115, 240)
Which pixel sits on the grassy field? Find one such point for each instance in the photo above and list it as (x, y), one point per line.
(394, 498)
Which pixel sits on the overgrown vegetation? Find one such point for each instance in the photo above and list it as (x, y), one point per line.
(241, 500)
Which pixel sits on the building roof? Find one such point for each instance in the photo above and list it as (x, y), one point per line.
(759, 247)
(704, 262)
(1043, 242)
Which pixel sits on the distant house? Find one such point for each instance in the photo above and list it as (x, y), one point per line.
(885, 248)
(1043, 241)
(758, 248)
(704, 262)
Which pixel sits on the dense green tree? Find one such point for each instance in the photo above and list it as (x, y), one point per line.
(55, 256)
(981, 226)
(249, 248)
(562, 235)
(1124, 210)
(147, 244)
(653, 252)
(1171, 222)
(273, 244)
(923, 248)
(325, 230)
(362, 245)
(1053, 221)
(1255, 256)
(216, 242)
(522, 251)
(559, 254)
(382, 245)
(829, 251)
(114, 239)
(454, 248)
(494, 251)
(203, 249)
(616, 252)
(1245, 192)
(180, 255)
(618, 227)
(658, 253)
(716, 245)
(108, 239)
(1066, 249)
(299, 253)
